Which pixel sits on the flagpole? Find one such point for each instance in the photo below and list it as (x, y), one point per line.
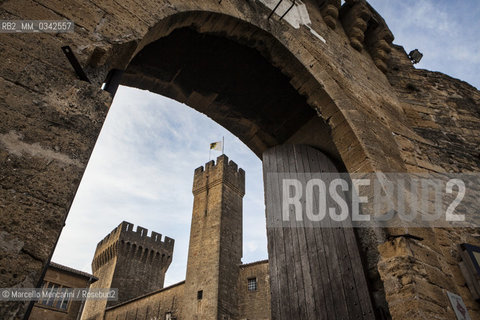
(223, 145)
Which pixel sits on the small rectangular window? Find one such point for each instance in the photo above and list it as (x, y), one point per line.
(200, 295)
(252, 284)
(56, 296)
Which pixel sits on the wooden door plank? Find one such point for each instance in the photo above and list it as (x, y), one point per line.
(290, 170)
(315, 270)
(321, 285)
(311, 296)
(318, 166)
(281, 275)
(358, 295)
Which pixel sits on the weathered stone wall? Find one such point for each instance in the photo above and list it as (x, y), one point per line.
(48, 129)
(154, 305)
(254, 304)
(50, 119)
(445, 114)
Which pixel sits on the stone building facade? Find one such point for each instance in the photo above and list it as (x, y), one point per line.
(217, 284)
(59, 277)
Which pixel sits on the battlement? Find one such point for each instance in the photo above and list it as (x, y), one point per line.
(141, 236)
(125, 240)
(125, 231)
(221, 171)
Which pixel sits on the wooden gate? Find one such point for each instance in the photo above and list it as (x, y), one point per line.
(315, 269)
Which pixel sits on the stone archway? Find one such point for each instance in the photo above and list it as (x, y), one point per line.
(179, 63)
(75, 110)
(234, 81)
(52, 119)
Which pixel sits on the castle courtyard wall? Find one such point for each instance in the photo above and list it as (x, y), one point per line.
(154, 305)
(254, 304)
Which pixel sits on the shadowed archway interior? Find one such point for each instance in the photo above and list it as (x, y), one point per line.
(231, 83)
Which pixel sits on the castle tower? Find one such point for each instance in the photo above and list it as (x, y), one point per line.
(131, 261)
(215, 249)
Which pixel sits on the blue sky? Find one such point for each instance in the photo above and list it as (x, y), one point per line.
(142, 167)
(445, 31)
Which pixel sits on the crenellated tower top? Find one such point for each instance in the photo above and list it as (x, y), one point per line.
(223, 171)
(125, 236)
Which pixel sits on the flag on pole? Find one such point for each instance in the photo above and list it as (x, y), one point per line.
(216, 146)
